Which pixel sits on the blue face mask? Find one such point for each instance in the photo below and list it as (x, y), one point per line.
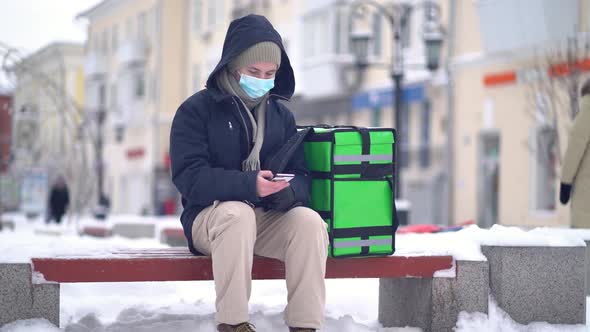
(256, 87)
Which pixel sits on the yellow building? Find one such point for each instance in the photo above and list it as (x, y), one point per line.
(135, 71)
(506, 151)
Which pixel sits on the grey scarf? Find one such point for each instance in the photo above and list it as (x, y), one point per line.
(228, 84)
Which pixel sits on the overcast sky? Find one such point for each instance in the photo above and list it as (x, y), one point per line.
(31, 24)
(28, 25)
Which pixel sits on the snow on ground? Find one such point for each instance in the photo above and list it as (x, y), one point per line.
(352, 305)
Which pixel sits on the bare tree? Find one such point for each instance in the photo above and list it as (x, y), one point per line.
(554, 88)
(73, 162)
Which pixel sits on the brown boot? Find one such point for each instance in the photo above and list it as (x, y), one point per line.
(242, 327)
(301, 329)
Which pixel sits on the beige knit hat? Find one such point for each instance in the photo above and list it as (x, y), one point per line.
(261, 52)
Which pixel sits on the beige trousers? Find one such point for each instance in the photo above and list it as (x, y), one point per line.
(233, 232)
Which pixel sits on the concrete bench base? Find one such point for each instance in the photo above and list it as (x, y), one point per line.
(433, 304)
(545, 284)
(134, 230)
(21, 299)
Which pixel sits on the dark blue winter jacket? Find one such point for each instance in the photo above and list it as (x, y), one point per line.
(211, 133)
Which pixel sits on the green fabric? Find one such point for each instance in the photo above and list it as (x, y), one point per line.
(320, 191)
(318, 156)
(368, 202)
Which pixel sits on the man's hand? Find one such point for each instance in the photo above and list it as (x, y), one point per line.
(265, 187)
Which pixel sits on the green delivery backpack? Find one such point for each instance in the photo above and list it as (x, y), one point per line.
(352, 187)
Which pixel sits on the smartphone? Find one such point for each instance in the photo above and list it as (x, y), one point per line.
(283, 177)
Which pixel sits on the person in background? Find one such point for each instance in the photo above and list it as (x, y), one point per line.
(233, 210)
(59, 199)
(575, 174)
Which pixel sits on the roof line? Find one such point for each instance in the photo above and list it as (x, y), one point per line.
(90, 11)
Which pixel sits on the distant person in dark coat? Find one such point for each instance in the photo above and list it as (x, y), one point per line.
(59, 199)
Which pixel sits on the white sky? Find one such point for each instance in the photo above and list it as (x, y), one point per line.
(31, 24)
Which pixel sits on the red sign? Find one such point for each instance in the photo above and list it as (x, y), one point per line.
(136, 153)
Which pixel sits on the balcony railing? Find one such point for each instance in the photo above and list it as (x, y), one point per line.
(95, 66)
(133, 53)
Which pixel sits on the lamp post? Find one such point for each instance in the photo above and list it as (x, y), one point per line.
(397, 15)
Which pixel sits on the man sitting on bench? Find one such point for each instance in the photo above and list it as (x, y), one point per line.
(232, 209)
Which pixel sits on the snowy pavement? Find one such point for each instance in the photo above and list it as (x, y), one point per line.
(352, 305)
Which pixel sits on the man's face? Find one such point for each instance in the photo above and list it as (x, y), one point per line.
(262, 70)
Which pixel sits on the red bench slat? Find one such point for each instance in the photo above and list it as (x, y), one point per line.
(179, 265)
(97, 231)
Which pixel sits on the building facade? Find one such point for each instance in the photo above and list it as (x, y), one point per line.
(510, 110)
(470, 149)
(135, 73)
(48, 95)
(46, 120)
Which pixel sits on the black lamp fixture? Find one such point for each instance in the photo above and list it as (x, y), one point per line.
(360, 47)
(433, 35)
(397, 16)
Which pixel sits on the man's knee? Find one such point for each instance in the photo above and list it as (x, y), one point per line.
(307, 222)
(237, 215)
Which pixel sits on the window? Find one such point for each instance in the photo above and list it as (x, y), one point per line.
(376, 116)
(104, 42)
(141, 25)
(196, 77)
(154, 88)
(525, 23)
(404, 137)
(544, 165)
(377, 33)
(114, 97)
(139, 85)
(211, 13)
(115, 38)
(425, 135)
(102, 96)
(129, 29)
(197, 15)
(220, 11)
(338, 30)
(406, 35)
(489, 178)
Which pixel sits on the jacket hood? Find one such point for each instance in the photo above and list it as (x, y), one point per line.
(245, 32)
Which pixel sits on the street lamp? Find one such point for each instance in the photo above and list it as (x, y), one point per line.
(397, 15)
(360, 47)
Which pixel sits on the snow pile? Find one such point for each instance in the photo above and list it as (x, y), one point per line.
(499, 321)
(466, 243)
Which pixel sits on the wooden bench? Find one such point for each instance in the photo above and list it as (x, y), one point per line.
(178, 264)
